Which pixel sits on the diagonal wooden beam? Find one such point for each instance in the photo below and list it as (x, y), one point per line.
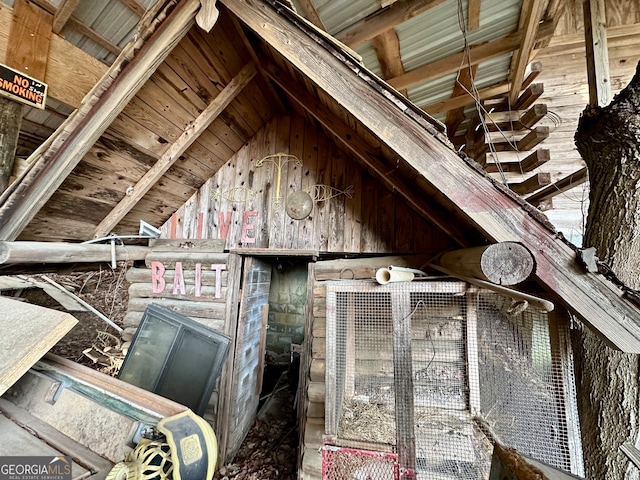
(387, 48)
(453, 63)
(311, 13)
(464, 83)
(55, 160)
(177, 148)
(381, 21)
(63, 14)
(529, 22)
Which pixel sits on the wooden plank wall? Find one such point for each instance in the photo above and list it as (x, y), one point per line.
(205, 298)
(248, 365)
(241, 204)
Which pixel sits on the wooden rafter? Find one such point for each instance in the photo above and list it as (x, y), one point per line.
(530, 17)
(473, 14)
(453, 63)
(55, 160)
(134, 6)
(310, 12)
(63, 14)
(380, 22)
(387, 48)
(177, 148)
(464, 83)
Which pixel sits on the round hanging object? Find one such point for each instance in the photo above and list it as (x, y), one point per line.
(299, 205)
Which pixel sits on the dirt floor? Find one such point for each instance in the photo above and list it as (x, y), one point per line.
(270, 448)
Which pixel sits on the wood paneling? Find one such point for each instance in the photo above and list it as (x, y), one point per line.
(242, 197)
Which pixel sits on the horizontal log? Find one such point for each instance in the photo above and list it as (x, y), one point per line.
(191, 245)
(317, 370)
(187, 258)
(63, 252)
(197, 309)
(364, 268)
(504, 263)
(132, 320)
(207, 292)
(207, 276)
(316, 392)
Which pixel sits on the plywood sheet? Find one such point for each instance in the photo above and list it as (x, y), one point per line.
(28, 332)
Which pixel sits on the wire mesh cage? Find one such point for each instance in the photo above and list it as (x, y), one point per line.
(343, 463)
(436, 370)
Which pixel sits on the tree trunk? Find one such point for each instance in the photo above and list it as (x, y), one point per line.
(608, 138)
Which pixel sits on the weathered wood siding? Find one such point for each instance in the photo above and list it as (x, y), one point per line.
(242, 205)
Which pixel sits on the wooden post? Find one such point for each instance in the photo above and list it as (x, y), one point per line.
(27, 51)
(597, 53)
(504, 263)
(403, 384)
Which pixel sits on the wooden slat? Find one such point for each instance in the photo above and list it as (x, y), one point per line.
(176, 149)
(29, 331)
(592, 298)
(29, 38)
(466, 99)
(529, 96)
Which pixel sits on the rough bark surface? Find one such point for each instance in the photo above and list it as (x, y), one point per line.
(608, 138)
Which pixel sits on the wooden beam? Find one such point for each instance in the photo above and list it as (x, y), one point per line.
(10, 121)
(529, 22)
(516, 120)
(464, 84)
(62, 252)
(310, 13)
(466, 99)
(529, 96)
(494, 213)
(561, 186)
(595, 32)
(63, 14)
(177, 148)
(473, 14)
(453, 63)
(134, 6)
(531, 184)
(530, 162)
(126, 76)
(387, 48)
(381, 21)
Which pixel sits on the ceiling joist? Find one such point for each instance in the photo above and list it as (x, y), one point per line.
(63, 14)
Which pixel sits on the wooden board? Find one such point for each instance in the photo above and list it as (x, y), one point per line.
(29, 331)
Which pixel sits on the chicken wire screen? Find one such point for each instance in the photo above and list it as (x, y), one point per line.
(433, 370)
